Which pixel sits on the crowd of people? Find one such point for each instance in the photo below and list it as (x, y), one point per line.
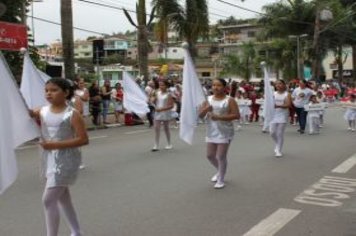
(70, 104)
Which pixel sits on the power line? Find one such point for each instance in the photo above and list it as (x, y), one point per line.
(264, 14)
(242, 8)
(108, 6)
(117, 7)
(77, 28)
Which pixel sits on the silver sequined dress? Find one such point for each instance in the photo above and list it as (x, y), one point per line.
(219, 131)
(60, 166)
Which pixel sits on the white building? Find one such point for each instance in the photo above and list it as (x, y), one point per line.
(331, 68)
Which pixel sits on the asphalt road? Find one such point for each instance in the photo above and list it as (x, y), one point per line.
(127, 190)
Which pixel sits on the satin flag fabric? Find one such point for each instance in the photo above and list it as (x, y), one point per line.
(135, 99)
(33, 84)
(268, 105)
(16, 125)
(192, 98)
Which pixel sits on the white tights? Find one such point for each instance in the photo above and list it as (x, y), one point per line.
(158, 131)
(217, 155)
(52, 197)
(277, 134)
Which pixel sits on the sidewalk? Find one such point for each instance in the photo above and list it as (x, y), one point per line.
(111, 119)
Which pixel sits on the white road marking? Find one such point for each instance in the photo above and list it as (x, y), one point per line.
(329, 191)
(138, 131)
(346, 165)
(272, 224)
(35, 145)
(98, 137)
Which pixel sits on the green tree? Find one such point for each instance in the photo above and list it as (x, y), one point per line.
(67, 38)
(192, 23)
(243, 64)
(166, 13)
(282, 19)
(142, 35)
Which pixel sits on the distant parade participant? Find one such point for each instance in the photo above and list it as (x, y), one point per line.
(150, 91)
(279, 121)
(301, 96)
(245, 109)
(63, 132)
(314, 117)
(220, 110)
(321, 99)
(350, 114)
(163, 105)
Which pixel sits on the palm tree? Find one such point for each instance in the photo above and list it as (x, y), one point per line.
(167, 12)
(241, 64)
(142, 35)
(67, 38)
(193, 23)
(284, 18)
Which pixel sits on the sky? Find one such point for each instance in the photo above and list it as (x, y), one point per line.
(105, 20)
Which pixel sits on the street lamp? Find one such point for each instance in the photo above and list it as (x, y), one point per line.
(298, 37)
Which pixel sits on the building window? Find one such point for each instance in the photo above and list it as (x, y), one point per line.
(107, 76)
(129, 53)
(205, 74)
(251, 34)
(174, 50)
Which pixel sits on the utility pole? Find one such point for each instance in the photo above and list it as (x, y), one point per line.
(97, 64)
(315, 46)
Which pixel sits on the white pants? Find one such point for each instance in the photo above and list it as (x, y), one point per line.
(314, 124)
(277, 133)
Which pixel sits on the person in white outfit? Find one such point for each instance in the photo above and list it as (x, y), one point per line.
(279, 121)
(220, 110)
(63, 132)
(163, 105)
(314, 117)
(350, 114)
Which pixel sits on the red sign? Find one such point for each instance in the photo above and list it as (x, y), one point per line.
(12, 36)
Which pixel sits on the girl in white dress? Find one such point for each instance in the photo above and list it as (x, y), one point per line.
(220, 110)
(245, 108)
(63, 132)
(282, 99)
(321, 99)
(163, 104)
(350, 114)
(314, 117)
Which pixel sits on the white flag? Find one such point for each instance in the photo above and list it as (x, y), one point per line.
(16, 125)
(192, 98)
(268, 105)
(33, 84)
(135, 100)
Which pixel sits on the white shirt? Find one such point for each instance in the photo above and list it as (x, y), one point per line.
(301, 96)
(280, 114)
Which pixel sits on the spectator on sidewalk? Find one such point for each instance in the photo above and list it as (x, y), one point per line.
(106, 99)
(95, 102)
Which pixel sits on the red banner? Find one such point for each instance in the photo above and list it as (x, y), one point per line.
(12, 36)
